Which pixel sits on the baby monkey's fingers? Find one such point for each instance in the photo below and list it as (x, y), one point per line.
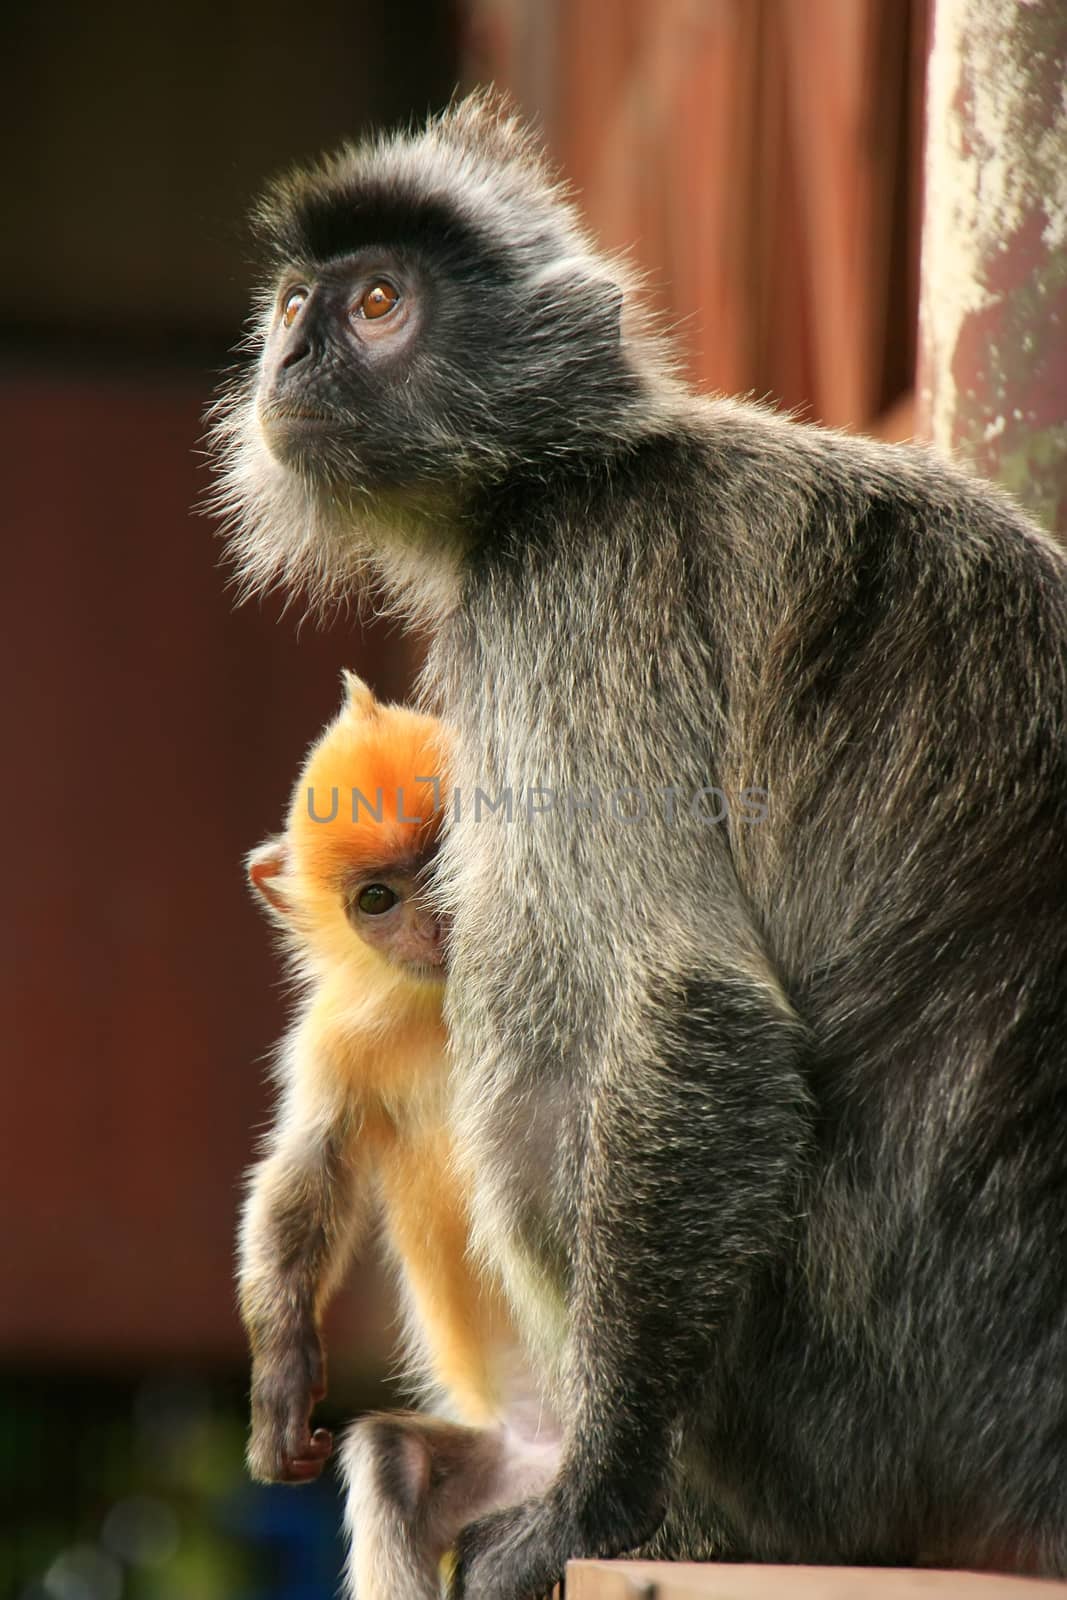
(308, 1463)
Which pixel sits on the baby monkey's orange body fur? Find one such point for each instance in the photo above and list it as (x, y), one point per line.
(363, 1111)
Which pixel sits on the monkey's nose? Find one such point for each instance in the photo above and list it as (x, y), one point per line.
(295, 353)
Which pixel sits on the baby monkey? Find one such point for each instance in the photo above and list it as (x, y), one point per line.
(362, 1125)
(362, 1075)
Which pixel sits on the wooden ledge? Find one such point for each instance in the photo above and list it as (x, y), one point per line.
(663, 1580)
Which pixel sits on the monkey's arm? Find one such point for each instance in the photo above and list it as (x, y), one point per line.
(307, 1202)
(693, 1161)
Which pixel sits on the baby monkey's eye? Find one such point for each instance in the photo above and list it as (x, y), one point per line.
(377, 301)
(291, 306)
(375, 898)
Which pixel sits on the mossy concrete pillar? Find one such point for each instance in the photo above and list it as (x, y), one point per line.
(993, 303)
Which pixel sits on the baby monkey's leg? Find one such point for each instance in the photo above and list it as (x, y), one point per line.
(414, 1482)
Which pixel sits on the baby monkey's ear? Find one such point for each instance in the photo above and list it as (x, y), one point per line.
(266, 867)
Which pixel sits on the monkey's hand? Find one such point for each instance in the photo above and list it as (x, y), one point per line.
(521, 1553)
(287, 1383)
(504, 1557)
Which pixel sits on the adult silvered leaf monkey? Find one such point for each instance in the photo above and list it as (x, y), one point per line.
(764, 1121)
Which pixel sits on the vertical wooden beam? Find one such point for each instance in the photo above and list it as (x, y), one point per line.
(993, 308)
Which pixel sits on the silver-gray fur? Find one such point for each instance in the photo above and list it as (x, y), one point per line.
(765, 1116)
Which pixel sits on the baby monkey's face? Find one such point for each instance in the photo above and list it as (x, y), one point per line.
(390, 910)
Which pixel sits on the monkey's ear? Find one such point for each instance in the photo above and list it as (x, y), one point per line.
(266, 866)
(568, 287)
(613, 303)
(361, 696)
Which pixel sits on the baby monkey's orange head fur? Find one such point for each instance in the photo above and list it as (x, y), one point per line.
(347, 879)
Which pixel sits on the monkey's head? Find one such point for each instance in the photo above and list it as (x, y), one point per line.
(433, 318)
(346, 881)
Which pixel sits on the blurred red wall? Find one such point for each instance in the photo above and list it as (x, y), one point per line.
(761, 158)
(155, 734)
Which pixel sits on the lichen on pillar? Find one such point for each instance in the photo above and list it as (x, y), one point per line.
(993, 311)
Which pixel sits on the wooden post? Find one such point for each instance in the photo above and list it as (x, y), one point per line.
(993, 305)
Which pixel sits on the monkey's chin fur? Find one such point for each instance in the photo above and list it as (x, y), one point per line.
(293, 438)
(322, 535)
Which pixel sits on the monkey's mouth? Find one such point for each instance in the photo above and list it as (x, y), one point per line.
(292, 436)
(274, 420)
(270, 414)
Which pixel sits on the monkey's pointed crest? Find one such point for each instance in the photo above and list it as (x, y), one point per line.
(490, 122)
(359, 695)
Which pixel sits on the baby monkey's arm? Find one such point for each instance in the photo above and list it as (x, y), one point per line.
(306, 1207)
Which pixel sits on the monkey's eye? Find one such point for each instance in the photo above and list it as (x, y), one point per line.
(374, 898)
(377, 301)
(291, 306)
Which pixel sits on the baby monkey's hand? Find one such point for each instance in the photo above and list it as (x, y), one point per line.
(288, 1381)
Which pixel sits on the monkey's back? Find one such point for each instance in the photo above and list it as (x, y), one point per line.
(905, 703)
(917, 867)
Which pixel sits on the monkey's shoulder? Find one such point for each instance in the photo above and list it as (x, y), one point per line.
(726, 478)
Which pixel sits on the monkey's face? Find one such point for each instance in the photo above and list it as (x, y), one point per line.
(389, 912)
(434, 318)
(348, 882)
(345, 367)
(424, 363)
